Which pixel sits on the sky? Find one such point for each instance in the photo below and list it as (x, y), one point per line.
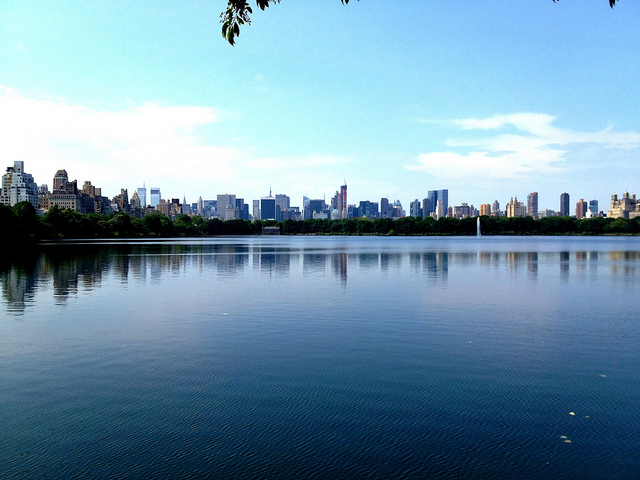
(490, 100)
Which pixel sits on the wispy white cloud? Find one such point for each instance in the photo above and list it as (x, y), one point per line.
(106, 145)
(162, 145)
(535, 146)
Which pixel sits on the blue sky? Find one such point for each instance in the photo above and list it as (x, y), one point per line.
(488, 99)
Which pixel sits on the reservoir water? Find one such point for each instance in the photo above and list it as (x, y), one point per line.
(322, 357)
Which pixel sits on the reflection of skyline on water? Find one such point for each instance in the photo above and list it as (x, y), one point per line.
(67, 270)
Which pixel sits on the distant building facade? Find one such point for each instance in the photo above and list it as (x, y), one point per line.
(18, 186)
(436, 196)
(268, 208)
(547, 213)
(66, 195)
(227, 207)
(368, 209)
(283, 202)
(495, 209)
(516, 208)
(343, 208)
(314, 208)
(426, 207)
(463, 211)
(532, 204)
(414, 208)
(142, 195)
(564, 205)
(625, 207)
(155, 197)
(581, 209)
(60, 180)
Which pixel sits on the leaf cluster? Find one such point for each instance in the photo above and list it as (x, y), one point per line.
(238, 13)
(611, 2)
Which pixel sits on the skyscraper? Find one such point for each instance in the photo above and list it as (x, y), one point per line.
(142, 195)
(154, 197)
(60, 179)
(414, 208)
(342, 202)
(268, 208)
(532, 205)
(427, 208)
(436, 196)
(227, 207)
(564, 205)
(316, 207)
(581, 209)
(242, 208)
(384, 207)
(18, 186)
(368, 209)
(283, 202)
(312, 207)
(593, 207)
(306, 207)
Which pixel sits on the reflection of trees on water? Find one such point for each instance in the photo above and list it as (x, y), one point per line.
(69, 268)
(19, 284)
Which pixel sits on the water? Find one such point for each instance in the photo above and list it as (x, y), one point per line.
(323, 357)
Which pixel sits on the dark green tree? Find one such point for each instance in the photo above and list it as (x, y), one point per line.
(121, 225)
(158, 225)
(9, 224)
(184, 226)
(382, 226)
(26, 221)
(364, 225)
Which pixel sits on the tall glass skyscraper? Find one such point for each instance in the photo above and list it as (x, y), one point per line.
(438, 195)
(564, 205)
(154, 197)
(142, 195)
(532, 204)
(268, 208)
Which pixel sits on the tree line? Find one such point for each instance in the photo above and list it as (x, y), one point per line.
(21, 225)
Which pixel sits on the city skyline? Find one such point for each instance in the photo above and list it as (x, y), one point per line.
(131, 94)
(279, 206)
